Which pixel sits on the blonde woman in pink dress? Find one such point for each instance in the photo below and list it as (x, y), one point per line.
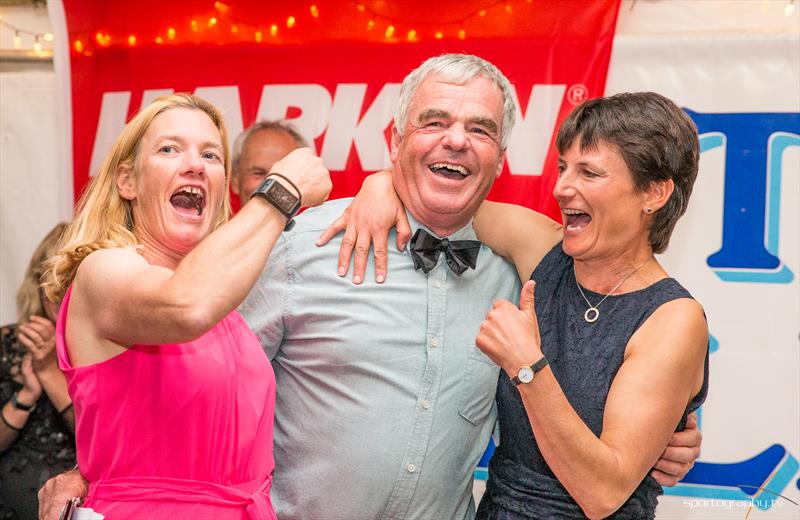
(173, 395)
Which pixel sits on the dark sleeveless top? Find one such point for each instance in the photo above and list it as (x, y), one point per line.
(584, 358)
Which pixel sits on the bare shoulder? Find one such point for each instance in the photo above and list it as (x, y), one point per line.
(676, 333)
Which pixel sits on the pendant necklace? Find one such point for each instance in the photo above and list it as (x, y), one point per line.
(592, 313)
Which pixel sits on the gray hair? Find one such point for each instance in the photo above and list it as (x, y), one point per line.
(459, 69)
(277, 126)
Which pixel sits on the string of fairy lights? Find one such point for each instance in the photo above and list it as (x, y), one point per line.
(34, 38)
(219, 25)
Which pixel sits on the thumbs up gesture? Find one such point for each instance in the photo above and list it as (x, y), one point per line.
(510, 335)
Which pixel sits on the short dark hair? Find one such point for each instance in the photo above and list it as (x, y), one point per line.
(276, 126)
(657, 140)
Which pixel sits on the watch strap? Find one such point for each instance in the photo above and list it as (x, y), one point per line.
(539, 365)
(263, 192)
(536, 367)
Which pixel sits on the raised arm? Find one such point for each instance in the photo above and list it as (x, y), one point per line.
(520, 235)
(119, 297)
(662, 370)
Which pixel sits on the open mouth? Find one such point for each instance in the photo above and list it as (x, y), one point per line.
(449, 170)
(188, 199)
(575, 218)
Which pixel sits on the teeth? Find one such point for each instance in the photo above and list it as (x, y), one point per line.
(572, 211)
(455, 167)
(191, 190)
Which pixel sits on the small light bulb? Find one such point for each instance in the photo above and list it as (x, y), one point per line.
(159, 40)
(78, 45)
(273, 30)
(370, 25)
(509, 9)
(389, 31)
(314, 11)
(171, 33)
(462, 34)
(193, 23)
(234, 29)
(290, 22)
(438, 35)
(789, 9)
(17, 41)
(48, 37)
(361, 8)
(131, 40)
(212, 21)
(482, 12)
(259, 36)
(412, 35)
(37, 46)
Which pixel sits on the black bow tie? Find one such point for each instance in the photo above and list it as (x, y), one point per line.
(459, 254)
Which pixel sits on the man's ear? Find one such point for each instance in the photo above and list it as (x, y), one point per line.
(500, 163)
(126, 184)
(393, 153)
(657, 195)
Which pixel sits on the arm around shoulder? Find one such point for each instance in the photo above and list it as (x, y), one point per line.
(520, 235)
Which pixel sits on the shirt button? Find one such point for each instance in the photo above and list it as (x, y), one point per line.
(411, 468)
(426, 404)
(434, 342)
(437, 284)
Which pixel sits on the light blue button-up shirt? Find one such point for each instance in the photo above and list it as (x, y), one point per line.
(384, 403)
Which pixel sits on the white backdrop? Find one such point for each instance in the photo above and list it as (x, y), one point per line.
(711, 57)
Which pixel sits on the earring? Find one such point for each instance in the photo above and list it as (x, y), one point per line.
(648, 210)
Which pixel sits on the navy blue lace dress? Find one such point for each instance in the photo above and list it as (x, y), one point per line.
(584, 358)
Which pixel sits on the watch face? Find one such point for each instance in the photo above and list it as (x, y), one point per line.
(282, 197)
(525, 375)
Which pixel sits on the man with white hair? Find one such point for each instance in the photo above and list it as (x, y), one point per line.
(384, 403)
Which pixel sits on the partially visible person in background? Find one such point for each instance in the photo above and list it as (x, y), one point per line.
(256, 150)
(36, 434)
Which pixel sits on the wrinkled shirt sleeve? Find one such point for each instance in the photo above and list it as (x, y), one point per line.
(265, 307)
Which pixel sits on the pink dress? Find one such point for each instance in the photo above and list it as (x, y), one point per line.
(176, 431)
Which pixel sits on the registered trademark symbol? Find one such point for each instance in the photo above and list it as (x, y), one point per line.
(577, 93)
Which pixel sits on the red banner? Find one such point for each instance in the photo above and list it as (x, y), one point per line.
(333, 68)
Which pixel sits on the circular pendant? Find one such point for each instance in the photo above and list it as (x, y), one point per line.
(591, 315)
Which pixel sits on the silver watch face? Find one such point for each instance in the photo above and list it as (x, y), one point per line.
(525, 375)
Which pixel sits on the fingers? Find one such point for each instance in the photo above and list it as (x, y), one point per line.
(380, 246)
(361, 256)
(680, 455)
(30, 332)
(55, 493)
(526, 301)
(337, 226)
(346, 250)
(403, 230)
(43, 325)
(687, 439)
(664, 479)
(691, 421)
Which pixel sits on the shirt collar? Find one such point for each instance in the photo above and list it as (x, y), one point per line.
(465, 233)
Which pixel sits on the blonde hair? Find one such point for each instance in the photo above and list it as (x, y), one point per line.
(103, 219)
(29, 295)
